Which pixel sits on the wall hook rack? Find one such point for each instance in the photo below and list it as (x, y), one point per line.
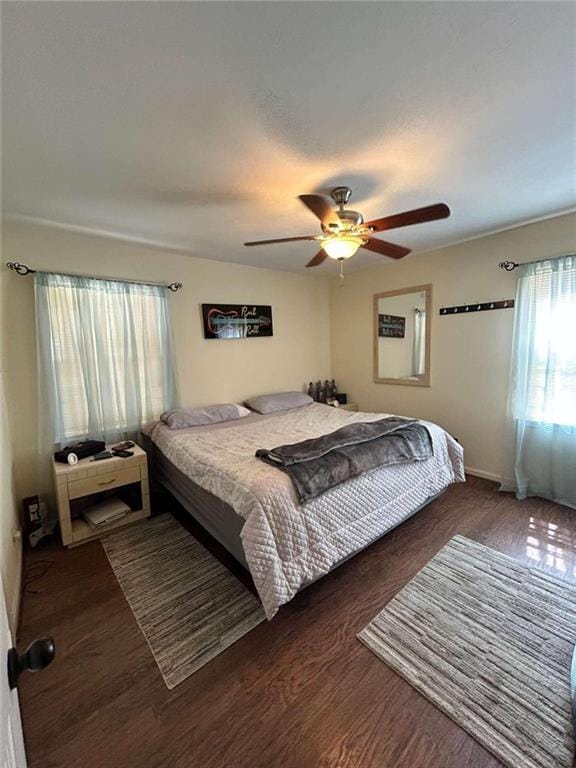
(478, 306)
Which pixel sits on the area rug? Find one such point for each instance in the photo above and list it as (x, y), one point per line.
(188, 605)
(489, 641)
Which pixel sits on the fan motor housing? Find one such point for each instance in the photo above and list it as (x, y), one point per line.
(351, 218)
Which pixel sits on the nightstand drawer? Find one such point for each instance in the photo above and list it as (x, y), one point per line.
(103, 482)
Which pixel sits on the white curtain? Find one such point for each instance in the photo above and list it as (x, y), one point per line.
(542, 401)
(105, 361)
(419, 346)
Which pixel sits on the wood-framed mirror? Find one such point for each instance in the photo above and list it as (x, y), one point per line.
(402, 336)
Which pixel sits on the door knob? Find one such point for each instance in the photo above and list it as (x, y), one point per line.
(36, 657)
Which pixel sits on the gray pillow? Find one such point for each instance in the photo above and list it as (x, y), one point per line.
(278, 401)
(179, 418)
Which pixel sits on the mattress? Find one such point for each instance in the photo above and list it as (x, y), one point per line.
(285, 544)
(213, 514)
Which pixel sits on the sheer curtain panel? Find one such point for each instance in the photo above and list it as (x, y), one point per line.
(105, 361)
(419, 346)
(542, 401)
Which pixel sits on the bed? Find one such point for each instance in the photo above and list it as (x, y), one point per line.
(252, 509)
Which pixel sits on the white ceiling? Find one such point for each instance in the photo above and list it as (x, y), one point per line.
(195, 125)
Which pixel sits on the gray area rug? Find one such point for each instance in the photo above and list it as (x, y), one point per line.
(188, 605)
(489, 640)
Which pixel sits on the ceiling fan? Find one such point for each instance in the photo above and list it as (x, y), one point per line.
(344, 230)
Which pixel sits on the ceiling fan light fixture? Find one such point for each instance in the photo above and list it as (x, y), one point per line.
(341, 246)
(344, 230)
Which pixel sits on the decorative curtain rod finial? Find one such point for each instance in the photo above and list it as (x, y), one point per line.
(21, 269)
(174, 287)
(509, 266)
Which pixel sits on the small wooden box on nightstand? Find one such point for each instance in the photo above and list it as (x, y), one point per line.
(76, 484)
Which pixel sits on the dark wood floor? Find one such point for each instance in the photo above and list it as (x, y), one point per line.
(299, 692)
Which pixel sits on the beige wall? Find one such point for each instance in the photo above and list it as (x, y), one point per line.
(10, 547)
(470, 354)
(208, 370)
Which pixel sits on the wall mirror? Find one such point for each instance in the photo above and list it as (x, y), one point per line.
(402, 336)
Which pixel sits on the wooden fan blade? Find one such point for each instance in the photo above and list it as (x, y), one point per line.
(406, 219)
(321, 208)
(386, 249)
(318, 259)
(282, 240)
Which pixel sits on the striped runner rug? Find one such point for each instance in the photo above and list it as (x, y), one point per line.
(489, 641)
(188, 605)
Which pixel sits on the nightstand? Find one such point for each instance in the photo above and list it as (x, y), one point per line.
(89, 481)
(349, 407)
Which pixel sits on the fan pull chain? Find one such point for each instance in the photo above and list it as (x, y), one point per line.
(341, 272)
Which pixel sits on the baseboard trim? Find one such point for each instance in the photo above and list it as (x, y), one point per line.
(481, 473)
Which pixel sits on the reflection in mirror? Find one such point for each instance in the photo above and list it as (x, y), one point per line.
(402, 336)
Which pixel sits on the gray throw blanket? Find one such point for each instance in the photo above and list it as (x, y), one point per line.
(318, 464)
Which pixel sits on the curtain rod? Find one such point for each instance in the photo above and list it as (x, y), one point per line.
(509, 266)
(22, 269)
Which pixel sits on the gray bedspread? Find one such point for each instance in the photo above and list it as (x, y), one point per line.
(288, 544)
(321, 463)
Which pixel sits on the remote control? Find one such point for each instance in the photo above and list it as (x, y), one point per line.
(102, 455)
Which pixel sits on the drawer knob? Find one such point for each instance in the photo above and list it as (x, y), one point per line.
(107, 482)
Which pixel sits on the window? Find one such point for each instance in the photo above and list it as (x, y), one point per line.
(549, 323)
(542, 405)
(105, 355)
